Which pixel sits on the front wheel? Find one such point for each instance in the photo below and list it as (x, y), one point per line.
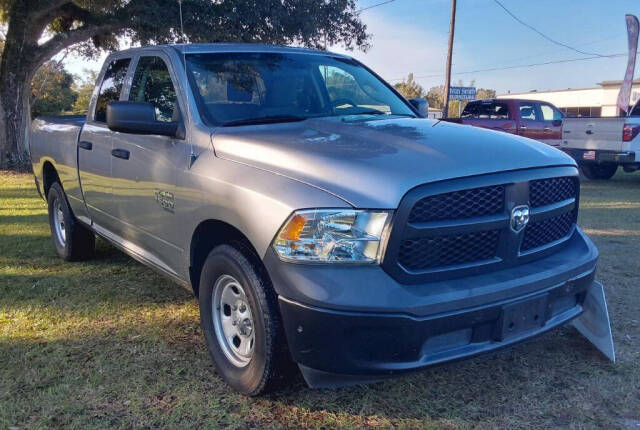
(599, 171)
(71, 240)
(241, 321)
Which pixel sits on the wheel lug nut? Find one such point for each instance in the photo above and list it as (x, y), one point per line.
(243, 308)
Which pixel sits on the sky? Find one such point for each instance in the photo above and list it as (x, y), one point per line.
(410, 36)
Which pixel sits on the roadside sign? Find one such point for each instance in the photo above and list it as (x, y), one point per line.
(462, 93)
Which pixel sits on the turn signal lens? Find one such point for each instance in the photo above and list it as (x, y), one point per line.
(333, 236)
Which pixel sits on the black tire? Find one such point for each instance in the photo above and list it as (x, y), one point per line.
(270, 361)
(78, 242)
(599, 171)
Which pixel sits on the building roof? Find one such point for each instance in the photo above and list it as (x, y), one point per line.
(601, 85)
(615, 83)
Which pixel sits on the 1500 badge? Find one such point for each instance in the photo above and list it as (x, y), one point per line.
(165, 199)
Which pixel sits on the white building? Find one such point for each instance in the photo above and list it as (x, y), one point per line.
(598, 101)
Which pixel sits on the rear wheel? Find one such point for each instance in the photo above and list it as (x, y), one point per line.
(71, 240)
(241, 321)
(599, 171)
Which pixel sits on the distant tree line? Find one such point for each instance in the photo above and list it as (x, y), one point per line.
(55, 91)
(409, 88)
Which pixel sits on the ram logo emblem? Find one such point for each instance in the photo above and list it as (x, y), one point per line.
(519, 218)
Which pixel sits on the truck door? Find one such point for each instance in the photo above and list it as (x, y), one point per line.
(552, 127)
(530, 126)
(145, 170)
(94, 147)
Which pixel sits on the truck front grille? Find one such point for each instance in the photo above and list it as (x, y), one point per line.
(546, 231)
(552, 190)
(450, 229)
(442, 251)
(459, 205)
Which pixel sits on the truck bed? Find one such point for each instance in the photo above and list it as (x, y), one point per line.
(54, 139)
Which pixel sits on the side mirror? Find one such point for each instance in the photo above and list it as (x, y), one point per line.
(556, 122)
(140, 118)
(421, 106)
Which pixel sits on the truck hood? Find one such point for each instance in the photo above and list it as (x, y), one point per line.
(373, 163)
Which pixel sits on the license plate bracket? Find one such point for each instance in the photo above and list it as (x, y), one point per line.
(521, 317)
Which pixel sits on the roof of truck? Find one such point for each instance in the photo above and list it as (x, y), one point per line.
(193, 48)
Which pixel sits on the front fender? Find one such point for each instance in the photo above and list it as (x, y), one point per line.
(254, 201)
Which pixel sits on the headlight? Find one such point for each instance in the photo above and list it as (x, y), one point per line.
(334, 236)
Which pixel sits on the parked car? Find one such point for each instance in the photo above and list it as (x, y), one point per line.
(600, 145)
(529, 118)
(313, 213)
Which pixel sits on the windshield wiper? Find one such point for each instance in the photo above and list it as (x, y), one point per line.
(271, 119)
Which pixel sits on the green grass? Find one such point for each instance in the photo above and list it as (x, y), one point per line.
(108, 343)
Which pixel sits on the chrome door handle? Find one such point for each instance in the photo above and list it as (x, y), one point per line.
(523, 127)
(546, 129)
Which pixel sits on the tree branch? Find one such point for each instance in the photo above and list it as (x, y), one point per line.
(63, 40)
(42, 8)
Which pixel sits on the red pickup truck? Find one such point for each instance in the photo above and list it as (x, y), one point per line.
(529, 118)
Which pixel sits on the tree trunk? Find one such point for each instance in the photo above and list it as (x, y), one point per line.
(17, 67)
(14, 117)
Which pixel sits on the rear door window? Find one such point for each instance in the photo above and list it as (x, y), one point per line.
(486, 110)
(528, 111)
(111, 87)
(152, 84)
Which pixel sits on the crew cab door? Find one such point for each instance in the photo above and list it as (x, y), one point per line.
(530, 124)
(552, 127)
(145, 168)
(94, 147)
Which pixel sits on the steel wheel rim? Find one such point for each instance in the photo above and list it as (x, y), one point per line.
(233, 320)
(58, 222)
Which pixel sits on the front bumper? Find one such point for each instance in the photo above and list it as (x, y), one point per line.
(355, 324)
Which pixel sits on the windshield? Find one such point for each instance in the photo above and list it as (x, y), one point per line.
(244, 88)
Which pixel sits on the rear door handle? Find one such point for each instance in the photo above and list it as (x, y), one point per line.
(120, 153)
(523, 127)
(85, 145)
(546, 129)
(589, 131)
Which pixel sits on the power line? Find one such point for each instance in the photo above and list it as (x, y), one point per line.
(375, 5)
(544, 35)
(492, 69)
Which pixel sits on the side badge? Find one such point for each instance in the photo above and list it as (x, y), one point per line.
(165, 200)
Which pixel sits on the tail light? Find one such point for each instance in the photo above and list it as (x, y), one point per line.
(629, 132)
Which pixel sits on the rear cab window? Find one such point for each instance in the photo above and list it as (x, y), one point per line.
(111, 87)
(486, 110)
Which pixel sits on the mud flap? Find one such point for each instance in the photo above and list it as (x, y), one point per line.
(594, 322)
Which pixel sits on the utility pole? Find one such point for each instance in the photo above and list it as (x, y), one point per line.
(447, 82)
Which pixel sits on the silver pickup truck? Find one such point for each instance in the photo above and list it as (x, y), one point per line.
(318, 219)
(601, 145)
